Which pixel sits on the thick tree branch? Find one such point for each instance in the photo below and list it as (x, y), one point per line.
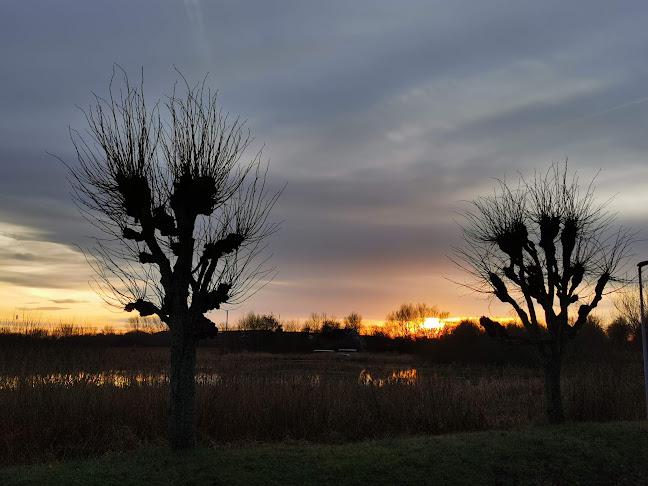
(144, 308)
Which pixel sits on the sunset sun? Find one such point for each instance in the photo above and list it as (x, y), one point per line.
(433, 323)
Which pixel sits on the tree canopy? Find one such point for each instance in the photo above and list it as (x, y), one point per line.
(166, 182)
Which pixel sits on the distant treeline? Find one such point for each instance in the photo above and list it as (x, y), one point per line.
(466, 342)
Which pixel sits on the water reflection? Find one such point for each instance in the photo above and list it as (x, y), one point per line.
(124, 379)
(119, 379)
(402, 377)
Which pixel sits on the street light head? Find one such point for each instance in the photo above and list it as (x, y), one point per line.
(642, 264)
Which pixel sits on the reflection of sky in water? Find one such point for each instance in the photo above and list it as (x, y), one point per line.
(109, 378)
(121, 379)
(402, 377)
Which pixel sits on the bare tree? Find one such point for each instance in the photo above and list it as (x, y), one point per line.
(291, 325)
(401, 322)
(185, 218)
(628, 309)
(353, 321)
(544, 247)
(330, 324)
(409, 319)
(315, 321)
(259, 322)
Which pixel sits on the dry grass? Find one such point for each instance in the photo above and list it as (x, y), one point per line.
(258, 398)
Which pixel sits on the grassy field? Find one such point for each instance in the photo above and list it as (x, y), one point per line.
(572, 454)
(61, 403)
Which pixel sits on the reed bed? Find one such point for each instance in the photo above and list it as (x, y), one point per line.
(62, 402)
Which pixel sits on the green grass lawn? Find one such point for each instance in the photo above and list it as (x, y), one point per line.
(570, 454)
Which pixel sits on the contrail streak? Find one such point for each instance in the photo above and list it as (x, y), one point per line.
(199, 34)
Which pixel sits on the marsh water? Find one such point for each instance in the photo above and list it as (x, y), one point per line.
(123, 379)
(149, 367)
(95, 399)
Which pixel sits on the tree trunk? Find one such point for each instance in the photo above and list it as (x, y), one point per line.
(182, 409)
(552, 364)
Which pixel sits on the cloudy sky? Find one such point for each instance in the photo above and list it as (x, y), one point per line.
(381, 117)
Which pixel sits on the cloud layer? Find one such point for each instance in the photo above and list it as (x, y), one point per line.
(382, 117)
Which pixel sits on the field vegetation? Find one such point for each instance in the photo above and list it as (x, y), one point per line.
(576, 453)
(66, 396)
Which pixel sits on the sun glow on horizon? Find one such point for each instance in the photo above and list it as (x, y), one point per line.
(434, 327)
(433, 323)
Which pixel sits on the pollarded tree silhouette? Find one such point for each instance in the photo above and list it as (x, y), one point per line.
(548, 249)
(185, 217)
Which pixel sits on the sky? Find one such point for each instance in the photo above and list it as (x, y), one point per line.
(382, 118)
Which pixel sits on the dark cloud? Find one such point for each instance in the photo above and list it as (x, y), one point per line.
(411, 44)
(22, 279)
(382, 117)
(23, 256)
(68, 301)
(614, 112)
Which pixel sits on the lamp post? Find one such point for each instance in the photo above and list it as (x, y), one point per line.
(644, 331)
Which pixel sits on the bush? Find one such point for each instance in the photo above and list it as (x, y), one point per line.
(620, 331)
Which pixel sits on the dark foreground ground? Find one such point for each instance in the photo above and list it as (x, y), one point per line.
(571, 454)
